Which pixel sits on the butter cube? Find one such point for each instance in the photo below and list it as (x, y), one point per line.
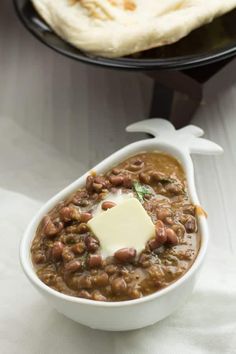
(125, 225)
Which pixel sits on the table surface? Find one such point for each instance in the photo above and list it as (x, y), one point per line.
(57, 119)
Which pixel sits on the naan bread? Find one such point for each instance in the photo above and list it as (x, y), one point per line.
(114, 28)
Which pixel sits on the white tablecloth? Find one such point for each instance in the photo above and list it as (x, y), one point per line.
(28, 325)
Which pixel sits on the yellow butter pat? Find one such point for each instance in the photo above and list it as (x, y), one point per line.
(125, 225)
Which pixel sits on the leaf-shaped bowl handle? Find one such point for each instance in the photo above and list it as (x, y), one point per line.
(187, 138)
(156, 127)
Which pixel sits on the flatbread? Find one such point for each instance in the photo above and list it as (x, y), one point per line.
(114, 28)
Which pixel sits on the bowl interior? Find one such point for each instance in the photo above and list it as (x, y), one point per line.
(210, 43)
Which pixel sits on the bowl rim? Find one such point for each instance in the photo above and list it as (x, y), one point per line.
(173, 63)
(28, 236)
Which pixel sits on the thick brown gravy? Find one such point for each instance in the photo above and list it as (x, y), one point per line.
(66, 254)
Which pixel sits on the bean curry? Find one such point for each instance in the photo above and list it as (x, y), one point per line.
(66, 254)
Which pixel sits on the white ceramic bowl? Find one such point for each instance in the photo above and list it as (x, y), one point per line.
(128, 315)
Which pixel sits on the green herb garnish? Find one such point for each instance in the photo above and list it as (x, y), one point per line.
(141, 191)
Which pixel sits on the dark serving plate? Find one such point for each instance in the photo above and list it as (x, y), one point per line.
(210, 43)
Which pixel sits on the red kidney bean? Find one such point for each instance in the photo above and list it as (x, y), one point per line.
(69, 213)
(189, 209)
(158, 176)
(174, 188)
(163, 213)
(155, 272)
(97, 295)
(80, 198)
(94, 196)
(84, 294)
(83, 228)
(65, 214)
(78, 248)
(154, 243)
(97, 187)
(190, 224)
(67, 254)
(169, 220)
(160, 231)
(57, 250)
(144, 178)
(77, 229)
(59, 225)
(144, 260)
(116, 180)
(171, 237)
(148, 196)
(159, 225)
(134, 168)
(108, 205)
(135, 293)
(179, 230)
(68, 239)
(94, 271)
(111, 269)
(51, 229)
(39, 257)
(81, 203)
(48, 278)
(73, 266)
(116, 171)
(102, 195)
(138, 162)
(94, 260)
(161, 189)
(183, 218)
(91, 243)
(89, 183)
(119, 286)
(125, 255)
(102, 180)
(127, 182)
(84, 281)
(101, 279)
(72, 229)
(85, 217)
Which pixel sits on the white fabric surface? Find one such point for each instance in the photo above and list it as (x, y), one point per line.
(28, 325)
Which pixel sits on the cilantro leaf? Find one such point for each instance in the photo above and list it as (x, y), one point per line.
(140, 190)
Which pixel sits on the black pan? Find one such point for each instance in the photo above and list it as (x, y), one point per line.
(208, 44)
